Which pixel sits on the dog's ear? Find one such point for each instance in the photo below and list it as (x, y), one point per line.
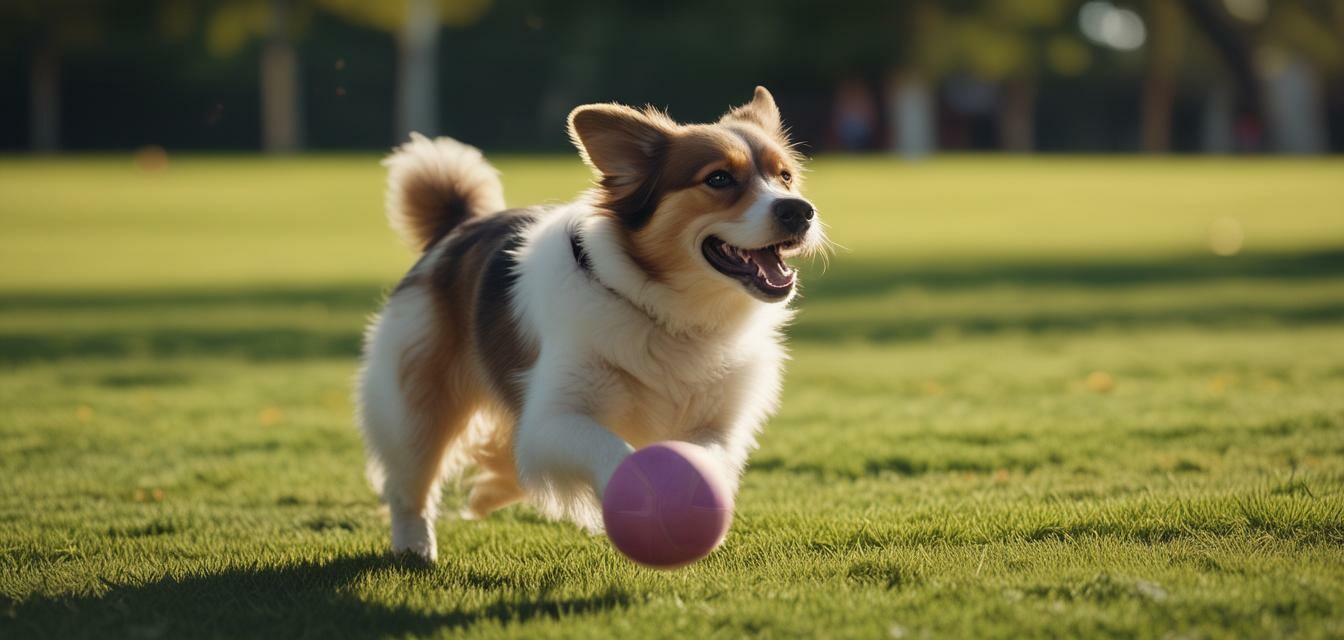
(761, 111)
(620, 143)
(625, 147)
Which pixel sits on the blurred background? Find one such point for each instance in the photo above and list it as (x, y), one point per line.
(909, 77)
(1097, 326)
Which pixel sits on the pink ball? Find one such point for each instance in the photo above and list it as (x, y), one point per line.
(667, 505)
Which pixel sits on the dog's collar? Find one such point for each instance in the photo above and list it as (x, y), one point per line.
(585, 264)
(580, 255)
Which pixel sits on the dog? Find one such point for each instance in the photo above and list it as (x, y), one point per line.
(538, 347)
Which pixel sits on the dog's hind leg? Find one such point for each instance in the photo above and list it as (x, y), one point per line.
(415, 402)
(491, 493)
(496, 483)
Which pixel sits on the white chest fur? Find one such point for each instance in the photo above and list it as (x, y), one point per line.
(676, 390)
(640, 379)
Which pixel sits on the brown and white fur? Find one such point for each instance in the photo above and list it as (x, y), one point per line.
(539, 346)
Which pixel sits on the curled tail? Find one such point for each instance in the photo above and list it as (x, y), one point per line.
(435, 185)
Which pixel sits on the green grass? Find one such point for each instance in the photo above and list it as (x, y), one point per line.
(1028, 400)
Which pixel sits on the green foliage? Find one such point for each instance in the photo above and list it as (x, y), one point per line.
(230, 25)
(391, 16)
(1026, 401)
(72, 24)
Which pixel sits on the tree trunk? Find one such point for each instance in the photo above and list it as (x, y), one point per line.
(910, 115)
(280, 121)
(44, 117)
(1163, 54)
(417, 91)
(1017, 116)
(1156, 114)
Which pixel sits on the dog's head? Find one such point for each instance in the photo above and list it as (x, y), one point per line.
(707, 207)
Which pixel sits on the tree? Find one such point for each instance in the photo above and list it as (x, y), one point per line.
(1276, 54)
(281, 111)
(47, 29)
(1166, 35)
(231, 25)
(416, 24)
(909, 84)
(1006, 43)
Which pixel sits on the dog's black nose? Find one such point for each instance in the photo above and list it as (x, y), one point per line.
(794, 214)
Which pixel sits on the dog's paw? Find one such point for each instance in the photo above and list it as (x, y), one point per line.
(422, 553)
(414, 534)
(412, 558)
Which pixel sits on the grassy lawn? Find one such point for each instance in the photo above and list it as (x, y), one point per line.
(1027, 400)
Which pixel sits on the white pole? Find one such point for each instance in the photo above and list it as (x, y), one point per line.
(417, 91)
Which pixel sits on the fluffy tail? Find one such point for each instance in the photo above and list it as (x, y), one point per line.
(435, 185)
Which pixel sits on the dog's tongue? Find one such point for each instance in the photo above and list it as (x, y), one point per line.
(770, 266)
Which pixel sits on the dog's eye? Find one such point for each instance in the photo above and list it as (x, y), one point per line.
(786, 176)
(720, 179)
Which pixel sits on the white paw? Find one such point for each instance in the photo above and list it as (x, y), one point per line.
(414, 533)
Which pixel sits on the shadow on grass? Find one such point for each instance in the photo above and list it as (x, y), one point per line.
(308, 600)
(896, 329)
(334, 297)
(851, 278)
(156, 342)
(301, 343)
(854, 276)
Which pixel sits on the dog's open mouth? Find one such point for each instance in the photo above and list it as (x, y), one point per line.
(762, 270)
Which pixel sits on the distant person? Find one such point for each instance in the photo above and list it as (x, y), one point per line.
(855, 121)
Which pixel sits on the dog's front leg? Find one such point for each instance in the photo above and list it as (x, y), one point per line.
(730, 455)
(557, 442)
